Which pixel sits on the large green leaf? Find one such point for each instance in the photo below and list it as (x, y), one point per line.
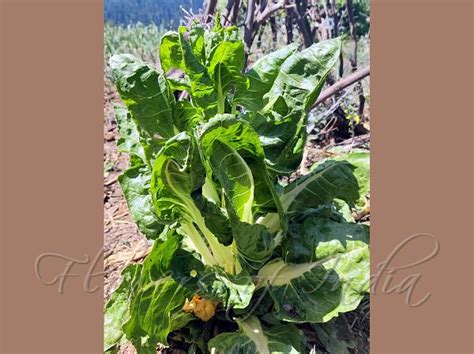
(147, 96)
(155, 309)
(116, 311)
(302, 76)
(261, 77)
(129, 140)
(233, 151)
(202, 87)
(329, 273)
(252, 338)
(281, 122)
(177, 173)
(171, 54)
(226, 64)
(337, 336)
(232, 291)
(360, 159)
(135, 183)
(236, 159)
(329, 180)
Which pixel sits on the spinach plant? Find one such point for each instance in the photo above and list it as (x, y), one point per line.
(240, 262)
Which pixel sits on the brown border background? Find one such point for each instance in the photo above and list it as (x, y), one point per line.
(51, 180)
(421, 177)
(52, 174)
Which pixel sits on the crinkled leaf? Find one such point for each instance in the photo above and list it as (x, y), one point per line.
(337, 336)
(202, 87)
(129, 140)
(186, 116)
(116, 311)
(147, 96)
(216, 219)
(329, 180)
(261, 77)
(334, 281)
(241, 165)
(171, 54)
(135, 183)
(176, 174)
(253, 338)
(155, 310)
(281, 122)
(225, 67)
(236, 158)
(232, 291)
(302, 76)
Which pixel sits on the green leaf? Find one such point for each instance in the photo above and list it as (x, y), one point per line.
(232, 291)
(302, 76)
(177, 173)
(333, 278)
(129, 140)
(174, 178)
(171, 54)
(225, 67)
(202, 87)
(252, 338)
(135, 183)
(236, 158)
(261, 77)
(116, 311)
(329, 180)
(249, 339)
(360, 159)
(286, 339)
(318, 238)
(196, 38)
(255, 244)
(337, 336)
(216, 219)
(186, 116)
(147, 96)
(156, 307)
(281, 122)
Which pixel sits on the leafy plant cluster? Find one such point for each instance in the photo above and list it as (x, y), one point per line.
(240, 262)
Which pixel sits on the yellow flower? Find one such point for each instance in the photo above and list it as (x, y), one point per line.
(200, 307)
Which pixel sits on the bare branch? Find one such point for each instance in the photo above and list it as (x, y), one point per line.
(342, 84)
(210, 9)
(249, 24)
(270, 10)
